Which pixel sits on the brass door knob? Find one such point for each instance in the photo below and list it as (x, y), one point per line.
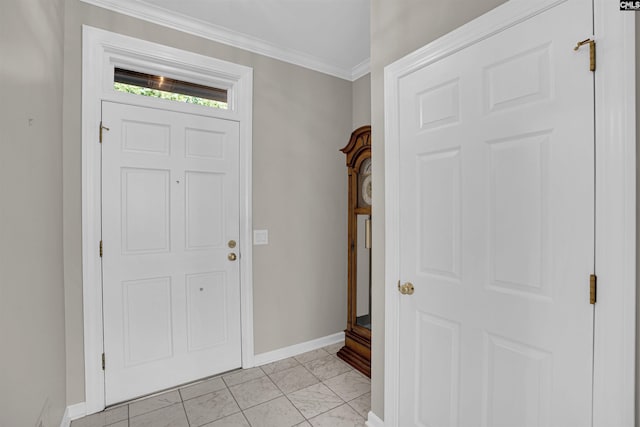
(406, 289)
(232, 256)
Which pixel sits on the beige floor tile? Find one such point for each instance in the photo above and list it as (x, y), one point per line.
(254, 392)
(311, 355)
(95, 420)
(342, 416)
(362, 404)
(242, 376)
(315, 400)
(275, 413)
(293, 379)
(349, 385)
(333, 349)
(154, 402)
(210, 407)
(170, 416)
(280, 365)
(104, 418)
(201, 388)
(327, 367)
(235, 420)
(304, 424)
(114, 415)
(124, 423)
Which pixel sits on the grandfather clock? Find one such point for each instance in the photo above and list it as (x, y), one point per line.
(357, 346)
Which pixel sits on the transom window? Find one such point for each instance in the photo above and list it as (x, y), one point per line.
(162, 87)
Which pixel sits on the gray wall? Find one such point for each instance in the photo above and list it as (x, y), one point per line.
(398, 28)
(301, 119)
(361, 98)
(32, 380)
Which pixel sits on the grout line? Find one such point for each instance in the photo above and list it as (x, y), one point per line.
(309, 370)
(295, 407)
(245, 417)
(281, 370)
(286, 396)
(246, 381)
(208, 392)
(261, 403)
(328, 410)
(233, 397)
(350, 405)
(184, 409)
(155, 410)
(303, 388)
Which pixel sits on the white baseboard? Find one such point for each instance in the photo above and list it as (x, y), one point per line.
(374, 421)
(296, 349)
(73, 412)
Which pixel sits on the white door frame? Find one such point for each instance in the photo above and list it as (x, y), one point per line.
(101, 51)
(615, 319)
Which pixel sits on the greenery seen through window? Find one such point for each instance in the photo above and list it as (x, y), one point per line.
(155, 93)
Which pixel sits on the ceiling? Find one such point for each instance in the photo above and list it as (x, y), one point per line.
(330, 36)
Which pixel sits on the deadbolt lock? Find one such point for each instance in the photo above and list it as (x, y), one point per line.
(406, 289)
(232, 256)
(232, 244)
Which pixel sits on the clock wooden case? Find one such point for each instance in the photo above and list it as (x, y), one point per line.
(357, 346)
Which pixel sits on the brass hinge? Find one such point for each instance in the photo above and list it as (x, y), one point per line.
(593, 288)
(101, 129)
(592, 52)
(100, 248)
(103, 362)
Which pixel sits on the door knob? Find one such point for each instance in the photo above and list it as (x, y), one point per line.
(232, 256)
(406, 289)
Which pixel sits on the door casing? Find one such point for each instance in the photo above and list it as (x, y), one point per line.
(101, 52)
(614, 329)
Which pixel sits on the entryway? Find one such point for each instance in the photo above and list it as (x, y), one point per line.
(167, 251)
(170, 226)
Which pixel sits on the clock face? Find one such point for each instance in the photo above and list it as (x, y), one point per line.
(364, 184)
(366, 190)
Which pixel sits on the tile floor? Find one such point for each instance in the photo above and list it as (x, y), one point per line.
(313, 389)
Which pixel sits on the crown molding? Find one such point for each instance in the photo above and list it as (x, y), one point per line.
(229, 37)
(361, 69)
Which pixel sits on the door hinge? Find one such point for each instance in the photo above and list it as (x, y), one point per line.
(101, 129)
(593, 288)
(103, 362)
(100, 248)
(592, 52)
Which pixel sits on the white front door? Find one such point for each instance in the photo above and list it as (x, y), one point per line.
(497, 229)
(170, 210)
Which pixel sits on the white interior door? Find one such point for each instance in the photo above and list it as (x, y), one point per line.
(170, 208)
(496, 230)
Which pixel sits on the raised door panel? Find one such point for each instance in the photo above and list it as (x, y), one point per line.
(438, 206)
(145, 211)
(147, 320)
(205, 222)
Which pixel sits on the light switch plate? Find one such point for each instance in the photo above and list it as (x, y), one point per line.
(260, 237)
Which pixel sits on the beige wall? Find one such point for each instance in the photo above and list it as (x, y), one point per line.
(637, 18)
(32, 380)
(361, 98)
(301, 119)
(398, 28)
